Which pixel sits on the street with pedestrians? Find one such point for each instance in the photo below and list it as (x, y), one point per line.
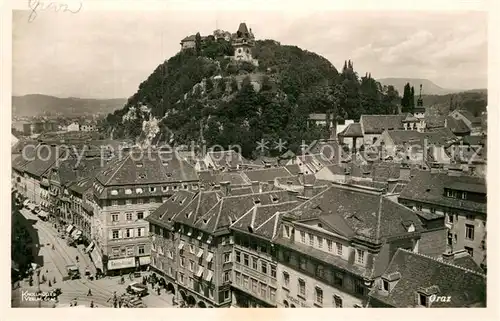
(56, 255)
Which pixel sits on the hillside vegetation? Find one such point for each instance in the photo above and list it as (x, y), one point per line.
(201, 92)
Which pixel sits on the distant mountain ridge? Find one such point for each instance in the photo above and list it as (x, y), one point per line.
(39, 105)
(428, 87)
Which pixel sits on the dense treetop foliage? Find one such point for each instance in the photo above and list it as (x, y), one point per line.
(201, 92)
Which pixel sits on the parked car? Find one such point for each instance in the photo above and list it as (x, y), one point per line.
(137, 289)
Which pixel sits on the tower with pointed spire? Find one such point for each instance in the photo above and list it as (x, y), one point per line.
(243, 41)
(419, 111)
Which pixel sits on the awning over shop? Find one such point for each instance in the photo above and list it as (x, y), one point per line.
(200, 272)
(90, 247)
(144, 260)
(210, 256)
(96, 258)
(124, 263)
(209, 276)
(200, 253)
(181, 245)
(69, 228)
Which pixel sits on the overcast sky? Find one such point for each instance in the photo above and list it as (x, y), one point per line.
(108, 54)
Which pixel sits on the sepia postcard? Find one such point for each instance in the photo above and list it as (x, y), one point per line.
(233, 154)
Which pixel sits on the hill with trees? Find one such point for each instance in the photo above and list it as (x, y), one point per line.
(201, 92)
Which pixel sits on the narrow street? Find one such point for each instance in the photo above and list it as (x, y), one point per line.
(54, 268)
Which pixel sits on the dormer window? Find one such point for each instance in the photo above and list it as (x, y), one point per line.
(256, 201)
(152, 189)
(164, 188)
(423, 300)
(114, 192)
(128, 191)
(138, 190)
(385, 284)
(138, 164)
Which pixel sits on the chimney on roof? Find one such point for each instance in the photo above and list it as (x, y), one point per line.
(225, 188)
(308, 190)
(255, 186)
(270, 185)
(292, 195)
(451, 256)
(300, 175)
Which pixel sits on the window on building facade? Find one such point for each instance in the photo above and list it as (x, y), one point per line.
(433, 210)
(129, 216)
(302, 287)
(116, 234)
(245, 281)
(319, 295)
(170, 254)
(419, 207)
(302, 263)
(450, 217)
(181, 278)
(338, 280)
(139, 201)
(263, 290)
(464, 195)
(263, 267)
(191, 265)
(114, 203)
(170, 271)
(469, 217)
(129, 232)
(339, 249)
(226, 276)
(337, 301)
(303, 237)
(469, 250)
(140, 215)
(115, 217)
(272, 294)
(191, 248)
(359, 288)
(237, 277)
(182, 261)
(227, 257)
(255, 286)
(128, 201)
(273, 271)
(238, 256)
(140, 232)
(469, 232)
(226, 295)
(385, 284)
(286, 229)
(360, 256)
(286, 279)
(130, 251)
(254, 263)
(311, 239)
(320, 242)
(320, 271)
(329, 244)
(245, 259)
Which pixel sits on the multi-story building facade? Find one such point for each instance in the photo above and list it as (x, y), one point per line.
(125, 193)
(460, 200)
(330, 249)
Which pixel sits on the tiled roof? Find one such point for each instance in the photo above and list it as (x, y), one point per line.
(243, 28)
(153, 167)
(376, 124)
(72, 170)
(440, 137)
(465, 287)
(82, 185)
(263, 220)
(371, 217)
(400, 137)
(226, 159)
(428, 215)
(325, 152)
(467, 114)
(457, 126)
(468, 186)
(384, 171)
(352, 130)
(230, 208)
(267, 174)
(45, 158)
(465, 261)
(294, 169)
(22, 144)
(429, 187)
(215, 177)
(164, 215)
(189, 38)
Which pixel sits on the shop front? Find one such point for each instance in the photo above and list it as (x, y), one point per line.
(121, 266)
(144, 262)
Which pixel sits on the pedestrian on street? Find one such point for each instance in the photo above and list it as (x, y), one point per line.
(91, 304)
(50, 284)
(120, 303)
(158, 290)
(52, 246)
(54, 280)
(89, 293)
